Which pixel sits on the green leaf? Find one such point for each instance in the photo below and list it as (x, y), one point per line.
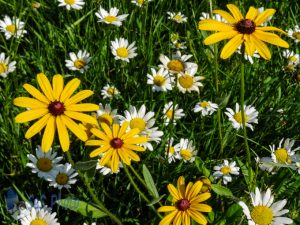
(81, 207)
(149, 182)
(233, 210)
(222, 102)
(221, 190)
(154, 201)
(245, 172)
(86, 165)
(201, 167)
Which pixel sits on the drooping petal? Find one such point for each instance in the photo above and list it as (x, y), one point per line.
(226, 16)
(168, 218)
(198, 217)
(31, 115)
(235, 12)
(261, 47)
(37, 126)
(62, 134)
(249, 46)
(214, 25)
(106, 157)
(177, 218)
(85, 107)
(252, 13)
(74, 128)
(29, 103)
(263, 17)
(69, 89)
(231, 46)
(124, 157)
(78, 97)
(45, 86)
(81, 117)
(48, 135)
(57, 85)
(270, 38)
(115, 160)
(214, 38)
(36, 93)
(132, 155)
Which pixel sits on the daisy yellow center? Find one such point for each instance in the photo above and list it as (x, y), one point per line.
(245, 26)
(116, 143)
(138, 123)
(282, 155)
(11, 28)
(183, 204)
(105, 118)
(238, 117)
(38, 221)
(79, 63)
(292, 58)
(290, 68)
(122, 52)
(178, 18)
(169, 114)
(3, 68)
(159, 80)
(62, 178)
(186, 81)
(176, 65)
(204, 104)
(110, 19)
(178, 45)
(225, 170)
(296, 35)
(261, 215)
(44, 164)
(186, 154)
(111, 91)
(170, 150)
(70, 2)
(56, 108)
(141, 2)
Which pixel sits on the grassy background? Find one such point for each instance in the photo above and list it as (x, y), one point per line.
(53, 32)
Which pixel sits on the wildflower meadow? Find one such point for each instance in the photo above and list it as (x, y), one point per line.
(150, 112)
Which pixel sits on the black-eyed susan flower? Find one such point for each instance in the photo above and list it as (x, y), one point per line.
(246, 30)
(72, 4)
(78, 62)
(121, 49)
(12, 27)
(117, 144)
(187, 204)
(265, 211)
(294, 33)
(225, 170)
(111, 17)
(6, 66)
(56, 109)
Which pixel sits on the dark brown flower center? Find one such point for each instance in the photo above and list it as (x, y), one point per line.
(183, 204)
(245, 26)
(116, 143)
(56, 108)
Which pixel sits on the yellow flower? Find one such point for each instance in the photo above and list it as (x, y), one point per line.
(57, 109)
(186, 204)
(247, 30)
(115, 144)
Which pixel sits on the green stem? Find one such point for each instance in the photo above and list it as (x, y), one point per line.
(138, 176)
(92, 193)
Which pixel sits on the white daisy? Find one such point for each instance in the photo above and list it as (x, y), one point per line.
(264, 211)
(78, 62)
(294, 33)
(160, 80)
(283, 153)
(236, 117)
(177, 64)
(106, 115)
(105, 170)
(205, 16)
(12, 27)
(140, 3)
(298, 167)
(39, 216)
(188, 82)
(64, 177)
(138, 118)
(109, 91)
(178, 44)
(6, 67)
(248, 57)
(186, 150)
(24, 208)
(177, 17)
(225, 170)
(44, 163)
(291, 56)
(172, 113)
(91, 223)
(111, 17)
(153, 135)
(171, 151)
(290, 68)
(122, 50)
(72, 4)
(206, 108)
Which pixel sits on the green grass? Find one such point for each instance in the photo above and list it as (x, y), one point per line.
(53, 32)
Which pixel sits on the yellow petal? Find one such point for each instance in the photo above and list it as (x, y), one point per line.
(198, 217)
(131, 133)
(74, 128)
(214, 38)
(98, 151)
(62, 134)
(186, 218)
(271, 29)
(195, 190)
(100, 134)
(37, 126)
(214, 25)
(124, 157)
(177, 218)
(173, 191)
(264, 16)
(107, 130)
(58, 85)
(115, 130)
(166, 208)
(115, 162)
(200, 198)
(31, 115)
(134, 147)
(94, 143)
(29, 103)
(168, 218)
(135, 140)
(201, 207)
(45, 86)
(188, 189)
(226, 16)
(106, 157)
(122, 130)
(132, 155)
(48, 134)
(231, 46)
(252, 13)
(36, 93)
(261, 47)
(85, 107)
(181, 186)
(249, 46)
(69, 89)
(235, 12)
(81, 117)
(78, 97)
(270, 38)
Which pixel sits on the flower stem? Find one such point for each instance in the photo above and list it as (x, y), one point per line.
(138, 176)
(92, 193)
